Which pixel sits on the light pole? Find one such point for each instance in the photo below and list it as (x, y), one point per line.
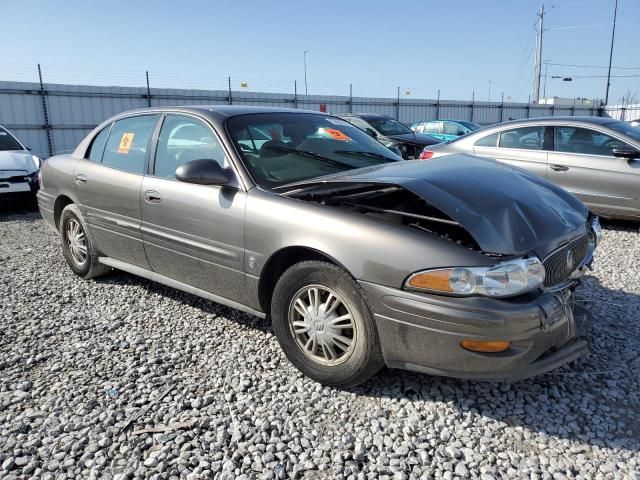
(306, 91)
(546, 69)
(613, 34)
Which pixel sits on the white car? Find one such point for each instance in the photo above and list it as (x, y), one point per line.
(19, 168)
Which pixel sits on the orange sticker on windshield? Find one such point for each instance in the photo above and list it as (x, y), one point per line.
(125, 142)
(337, 134)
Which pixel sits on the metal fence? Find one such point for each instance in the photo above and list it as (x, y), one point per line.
(627, 112)
(53, 118)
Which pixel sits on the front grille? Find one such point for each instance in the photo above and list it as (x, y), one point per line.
(560, 264)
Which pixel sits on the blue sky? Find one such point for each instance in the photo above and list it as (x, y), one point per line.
(421, 46)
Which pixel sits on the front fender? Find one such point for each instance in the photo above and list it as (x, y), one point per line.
(370, 249)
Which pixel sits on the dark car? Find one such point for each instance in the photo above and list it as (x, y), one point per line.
(358, 259)
(392, 133)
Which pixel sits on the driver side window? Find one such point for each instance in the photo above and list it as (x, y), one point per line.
(585, 141)
(181, 140)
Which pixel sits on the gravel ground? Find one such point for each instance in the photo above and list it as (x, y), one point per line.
(123, 378)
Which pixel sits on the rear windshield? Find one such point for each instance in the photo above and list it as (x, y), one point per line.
(8, 141)
(281, 148)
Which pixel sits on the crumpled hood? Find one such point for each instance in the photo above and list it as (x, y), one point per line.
(506, 210)
(17, 160)
(417, 138)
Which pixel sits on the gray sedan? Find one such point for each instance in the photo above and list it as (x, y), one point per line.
(595, 158)
(359, 259)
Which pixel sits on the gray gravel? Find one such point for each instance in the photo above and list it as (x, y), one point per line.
(123, 378)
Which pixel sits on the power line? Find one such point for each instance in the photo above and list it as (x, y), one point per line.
(573, 27)
(572, 4)
(592, 66)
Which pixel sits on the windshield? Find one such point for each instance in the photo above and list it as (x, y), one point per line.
(8, 142)
(625, 128)
(470, 125)
(388, 126)
(281, 148)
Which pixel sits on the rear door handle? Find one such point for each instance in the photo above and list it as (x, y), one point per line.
(81, 178)
(559, 168)
(151, 196)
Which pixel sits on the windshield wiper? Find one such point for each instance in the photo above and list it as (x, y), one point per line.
(365, 154)
(310, 155)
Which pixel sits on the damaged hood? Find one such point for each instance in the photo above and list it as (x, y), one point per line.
(505, 209)
(16, 161)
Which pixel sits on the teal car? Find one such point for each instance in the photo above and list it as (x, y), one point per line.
(445, 129)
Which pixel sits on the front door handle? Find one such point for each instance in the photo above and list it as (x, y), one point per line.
(81, 178)
(151, 196)
(559, 168)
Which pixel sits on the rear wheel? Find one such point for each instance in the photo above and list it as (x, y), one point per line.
(78, 247)
(324, 326)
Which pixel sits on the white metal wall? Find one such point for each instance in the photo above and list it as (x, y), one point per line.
(74, 110)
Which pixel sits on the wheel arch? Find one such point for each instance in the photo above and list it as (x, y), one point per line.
(280, 261)
(59, 205)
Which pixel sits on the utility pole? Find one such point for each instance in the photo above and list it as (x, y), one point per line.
(306, 91)
(538, 73)
(613, 34)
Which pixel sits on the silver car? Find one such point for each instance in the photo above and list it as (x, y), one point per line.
(595, 158)
(19, 168)
(358, 258)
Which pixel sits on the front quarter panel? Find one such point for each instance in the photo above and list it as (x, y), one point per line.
(370, 249)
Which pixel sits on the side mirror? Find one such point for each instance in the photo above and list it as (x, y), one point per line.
(629, 153)
(371, 132)
(203, 172)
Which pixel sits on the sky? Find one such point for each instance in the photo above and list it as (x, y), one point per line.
(458, 47)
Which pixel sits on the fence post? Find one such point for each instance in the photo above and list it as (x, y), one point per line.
(473, 103)
(398, 105)
(351, 98)
(45, 110)
(295, 94)
(529, 107)
(502, 108)
(230, 96)
(438, 105)
(573, 108)
(148, 90)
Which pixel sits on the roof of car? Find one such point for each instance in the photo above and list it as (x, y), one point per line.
(365, 116)
(222, 110)
(562, 119)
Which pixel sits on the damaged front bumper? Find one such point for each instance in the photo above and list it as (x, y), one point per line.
(422, 332)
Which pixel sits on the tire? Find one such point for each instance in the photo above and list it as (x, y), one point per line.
(324, 332)
(71, 221)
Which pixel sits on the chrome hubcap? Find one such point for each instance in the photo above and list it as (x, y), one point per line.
(76, 242)
(322, 325)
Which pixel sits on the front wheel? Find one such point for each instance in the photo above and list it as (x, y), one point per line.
(324, 326)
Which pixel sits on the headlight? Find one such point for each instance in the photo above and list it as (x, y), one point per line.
(36, 161)
(506, 279)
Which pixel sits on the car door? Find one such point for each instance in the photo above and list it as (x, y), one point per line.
(434, 129)
(583, 163)
(524, 147)
(108, 182)
(192, 233)
(452, 130)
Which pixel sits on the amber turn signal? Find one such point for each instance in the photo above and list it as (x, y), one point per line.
(437, 280)
(491, 346)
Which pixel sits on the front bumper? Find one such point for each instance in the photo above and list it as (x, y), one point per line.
(422, 332)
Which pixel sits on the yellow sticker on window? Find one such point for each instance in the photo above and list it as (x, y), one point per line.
(125, 142)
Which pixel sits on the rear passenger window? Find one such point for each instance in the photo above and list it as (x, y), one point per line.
(529, 138)
(488, 141)
(127, 146)
(97, 146)
(183, 139)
